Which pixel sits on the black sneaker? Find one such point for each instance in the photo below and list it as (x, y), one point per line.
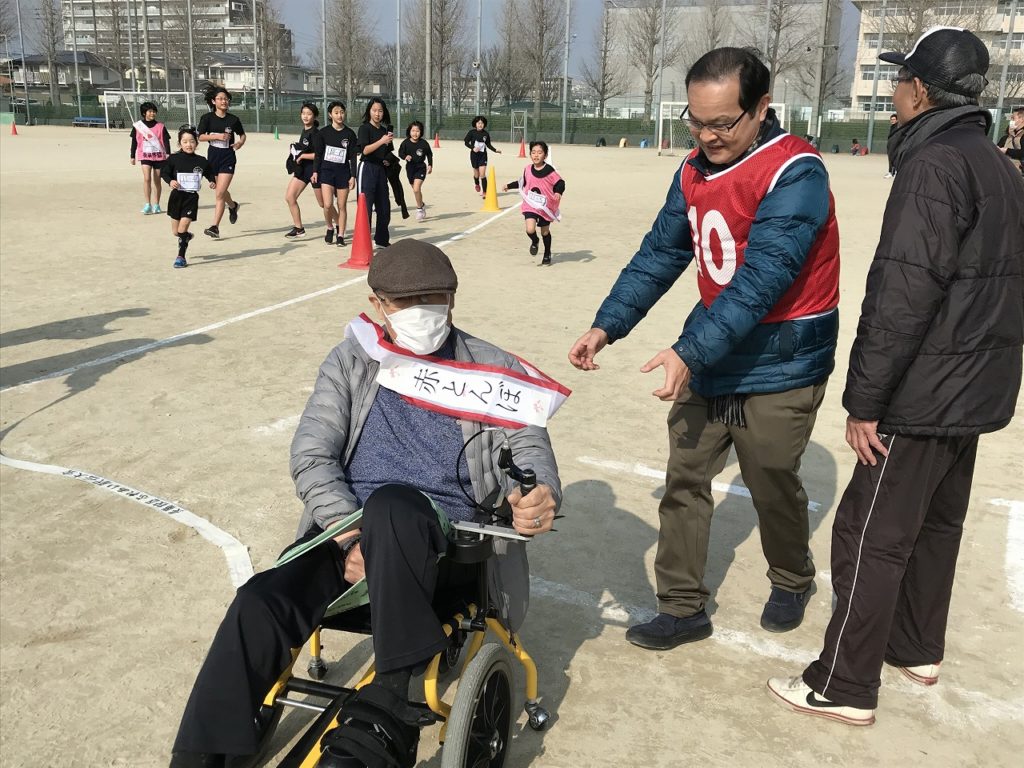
(233, 213)
(341, 240)
(329, 237)
(533, 249)
(197, 760)
(296, 232)
(664, 631)
(213, 231)
(546, 261)
(784, 610)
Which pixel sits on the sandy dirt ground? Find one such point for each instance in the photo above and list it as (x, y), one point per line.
(108, 605)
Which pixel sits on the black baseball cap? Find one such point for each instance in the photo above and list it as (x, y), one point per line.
(944, 55)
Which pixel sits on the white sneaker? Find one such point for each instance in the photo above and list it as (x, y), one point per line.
(793, 693)
(420, 214)
(926, 674)
(887, 176)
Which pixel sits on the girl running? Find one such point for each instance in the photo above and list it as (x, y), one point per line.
(184, 172)
(541, 188)
(419, 161)
(225, 133)
(335, 170)
(375, 146)
(151, 145)
(303, 156)
(478, 141)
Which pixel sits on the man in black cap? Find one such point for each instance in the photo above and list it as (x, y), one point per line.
(936, 363)
(371, 438)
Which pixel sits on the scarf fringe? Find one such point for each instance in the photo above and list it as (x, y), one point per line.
(728, 409)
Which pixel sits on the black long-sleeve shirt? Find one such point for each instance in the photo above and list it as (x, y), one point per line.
(475, 137)
(420, 152)
(186, 162)
(344, 139)
(166, 138)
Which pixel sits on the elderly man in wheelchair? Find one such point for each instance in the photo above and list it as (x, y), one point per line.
(424, 466)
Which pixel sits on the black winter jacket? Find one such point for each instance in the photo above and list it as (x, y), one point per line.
(938, 348)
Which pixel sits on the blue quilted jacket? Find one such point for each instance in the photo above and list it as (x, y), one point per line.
(725, 345)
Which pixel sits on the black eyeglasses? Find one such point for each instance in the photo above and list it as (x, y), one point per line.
(719, 129)
(897, 80)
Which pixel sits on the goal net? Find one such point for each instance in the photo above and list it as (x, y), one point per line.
(674, 137)
(121, 108)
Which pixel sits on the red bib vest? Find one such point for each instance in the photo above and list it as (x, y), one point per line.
(721, 209)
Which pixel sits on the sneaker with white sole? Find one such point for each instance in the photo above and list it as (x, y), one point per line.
(793, 693)
(156, 208)
(926, 674)
(147, 209)
(420, 214)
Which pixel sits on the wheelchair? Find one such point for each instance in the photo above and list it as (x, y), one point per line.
(475, 729)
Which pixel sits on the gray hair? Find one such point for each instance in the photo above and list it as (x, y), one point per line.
(972, 83)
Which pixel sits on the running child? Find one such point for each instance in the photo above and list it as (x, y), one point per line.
(478, 141)
(184, 172)
(541, 188)
(225, 133)
(377, 150)
(302, 165)
(419, 161)
(335, 170)
(151, 145)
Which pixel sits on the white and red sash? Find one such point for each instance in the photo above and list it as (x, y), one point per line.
(543, 202)
(486, 393)
(149, 142)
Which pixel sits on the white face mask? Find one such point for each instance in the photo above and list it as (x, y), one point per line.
(422, 329)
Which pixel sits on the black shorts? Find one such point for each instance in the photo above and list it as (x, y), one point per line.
(336, 175)
(221, 160)
(183, 205)
(477, 159)
(413, 172)
(305, 174)
(541, 221)
(158, 164)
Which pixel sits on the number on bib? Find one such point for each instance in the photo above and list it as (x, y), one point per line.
(335, 154)
(713, 223)
(189, 182)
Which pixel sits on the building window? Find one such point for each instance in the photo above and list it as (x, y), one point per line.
(1016, 43)
(881, 105)
(885, 72)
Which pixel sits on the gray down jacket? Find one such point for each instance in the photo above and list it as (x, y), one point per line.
(333, 420)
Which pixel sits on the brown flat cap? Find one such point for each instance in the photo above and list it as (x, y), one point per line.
(412, 268)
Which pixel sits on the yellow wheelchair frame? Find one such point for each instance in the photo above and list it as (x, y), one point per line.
(474, 729)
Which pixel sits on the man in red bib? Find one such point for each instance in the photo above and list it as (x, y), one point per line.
(751, 207)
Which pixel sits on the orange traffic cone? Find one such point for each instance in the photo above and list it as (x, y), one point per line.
(362, 248)
(437, 140)
(14, 128)
(522, 147)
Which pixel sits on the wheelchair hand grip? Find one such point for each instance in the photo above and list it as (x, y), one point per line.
(528, 481)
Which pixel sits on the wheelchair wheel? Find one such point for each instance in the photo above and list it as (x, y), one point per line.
(481, 718)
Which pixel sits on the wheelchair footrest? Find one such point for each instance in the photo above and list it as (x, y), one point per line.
(374, 730)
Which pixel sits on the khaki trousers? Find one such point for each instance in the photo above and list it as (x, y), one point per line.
(769, 450)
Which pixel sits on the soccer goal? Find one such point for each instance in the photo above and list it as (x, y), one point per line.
(674, 136)
(121, 108)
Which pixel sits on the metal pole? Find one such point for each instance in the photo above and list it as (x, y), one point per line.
(255, 67)
(428, 3)
(24, 67)
(145, 48)
(74, 51)
(129, 23)
(323, 54)
(1002, 82)
(874, 84)
(661, 63)
(768, 39)
(191, 66)
(819, 77)
(565, 66)
(398, 67)
(476, 64)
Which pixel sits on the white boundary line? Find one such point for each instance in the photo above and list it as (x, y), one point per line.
(1014, 560)
(637, 468)
(230, 321)
(239, 564)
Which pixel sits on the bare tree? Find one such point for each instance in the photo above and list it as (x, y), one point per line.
(503, 72)
(348, 36)
(644, 33)
(463, 81)
(604, 76)
(49, 29)
(448, 22)
(793, 33)
(7, 18)
(382, 66)
(712, 29)
(543, 29)
(175, 40)
(276, 55)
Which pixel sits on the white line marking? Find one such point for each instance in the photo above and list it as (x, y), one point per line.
(288, 423)
(230, 321)
(1014, 550)
(659, 474)
(239, 564)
